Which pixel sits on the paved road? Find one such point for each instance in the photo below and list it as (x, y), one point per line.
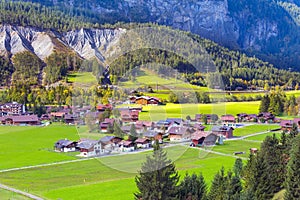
(31, 196)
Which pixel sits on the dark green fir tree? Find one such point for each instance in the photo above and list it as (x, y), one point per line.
(158, 177)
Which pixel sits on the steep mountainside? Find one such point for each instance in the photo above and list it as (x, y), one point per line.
(261, 27)
(86, 42)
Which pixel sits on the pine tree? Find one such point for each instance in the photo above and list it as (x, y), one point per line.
(158, 177)
(238, 167)
(117, 130)
(264, 104)
(218, 186)
(234, 187)
(192, 187)
(293, 172)
(294, 131)
(133, 134)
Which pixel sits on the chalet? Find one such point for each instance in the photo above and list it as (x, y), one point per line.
(20, 120)
(223, 130)
(70, 118)
(90, 148)
(211, 118)
(11, 109)
(143, 143)
(252, 118)
(127, 146)
(154, 135)
(104, 125)
(297, 122)
(200, 138)
(144, 124)
(129, 115)
(179, 134)
(144, 100)
(199, 127)
(45, 117)
(110, 143)
(162, 125)
(286, 125)
(65, 146)
(176, 121)
(58, 115)
(228, 119)
(102, 108)
(241, 117)
(266, 117)
(210, 140)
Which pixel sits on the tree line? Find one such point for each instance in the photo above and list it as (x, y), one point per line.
(274, 168)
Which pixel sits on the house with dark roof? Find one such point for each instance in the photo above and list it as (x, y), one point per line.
(199, 127)
(11, 109)
(228, 119)
(179, 134)
(70, 118)
(153, 135)
(110, 143)
(223, 130)
(65, 146)
(105, 124)
(286, 125)
(143, 143)
(129, 115)
(20, 120)
(127, 145)
(91, 148)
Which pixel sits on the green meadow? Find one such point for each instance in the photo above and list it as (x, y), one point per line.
(25, 146)
(182, 110)
(82, 77)
(8, 195)
(109, 177)
(255, 128)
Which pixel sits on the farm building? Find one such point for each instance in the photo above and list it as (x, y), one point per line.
(65, 145)
(223, 130)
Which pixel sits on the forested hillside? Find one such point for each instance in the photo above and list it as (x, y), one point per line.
(236, 68)
(265, 28)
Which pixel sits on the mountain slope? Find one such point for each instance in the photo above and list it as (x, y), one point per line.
(260, 27)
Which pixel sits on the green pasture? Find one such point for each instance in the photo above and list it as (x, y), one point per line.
(255, 128)
(82, 77)
(99, 178)
(8, 195)
(263, 136)
(25, 146)
(170, 110)
(229, 147)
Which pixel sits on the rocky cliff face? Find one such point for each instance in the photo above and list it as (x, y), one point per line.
(87, 43)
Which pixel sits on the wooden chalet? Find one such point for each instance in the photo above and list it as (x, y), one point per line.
(105, 124)
(90, 148)
(20, 120)
(179, 134)
(154, 135)
(228, 119)
(223, 130)
(286, 125)
(143, 143)
(65, 146)
(127, 145)
(200, 138)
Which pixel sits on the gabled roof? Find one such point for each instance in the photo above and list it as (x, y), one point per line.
(221, 128)
(175, 130)
(63, 143)
(150, 133)
(142, 140)
(198, 135)
(227, 118)
(87, 143)
(107, 139)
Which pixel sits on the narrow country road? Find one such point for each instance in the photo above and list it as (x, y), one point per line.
(31, 196)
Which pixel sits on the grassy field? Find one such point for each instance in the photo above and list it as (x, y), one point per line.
(82, 77)
(263, 136)
(25, 146)
(256, 128)
(100, 178)
(182, 110)
(8, 195)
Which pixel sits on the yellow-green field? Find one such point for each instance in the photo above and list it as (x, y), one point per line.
(170, 110)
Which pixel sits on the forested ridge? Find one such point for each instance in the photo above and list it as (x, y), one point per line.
(235, 68)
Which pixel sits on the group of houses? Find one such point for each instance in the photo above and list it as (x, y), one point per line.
(144, 100)
(15, 114)
(287, 125)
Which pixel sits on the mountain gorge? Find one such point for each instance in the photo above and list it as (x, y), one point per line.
(264, 28)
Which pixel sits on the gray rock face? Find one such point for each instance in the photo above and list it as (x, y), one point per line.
(88, 43)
